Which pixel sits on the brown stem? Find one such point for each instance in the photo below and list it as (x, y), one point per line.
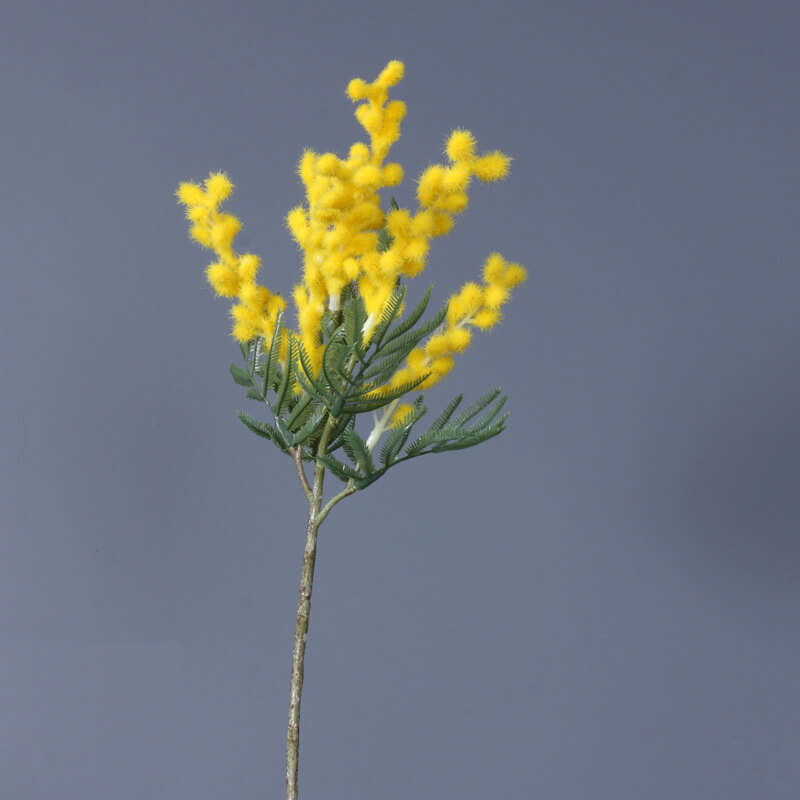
(298, 654)
(316, 514)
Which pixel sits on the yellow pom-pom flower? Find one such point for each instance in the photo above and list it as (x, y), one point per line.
(493, 166)
(460, 145)
(337, 230)
(218, 187)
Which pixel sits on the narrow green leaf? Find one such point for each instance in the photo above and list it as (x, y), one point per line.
(398, 435)
(262, 429)
(241, 376)
(374, 402)
(444, 417)
(469, 441)
(360, 453)
(411, 320)
(388, 315)
(339, 469)
(307, 431)
(476, 408)
(299, 407)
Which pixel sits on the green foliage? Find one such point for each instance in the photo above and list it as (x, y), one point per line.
(303, 402)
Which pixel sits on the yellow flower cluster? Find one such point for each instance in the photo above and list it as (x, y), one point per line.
(473, 305)
(231, 275)
(338, 231)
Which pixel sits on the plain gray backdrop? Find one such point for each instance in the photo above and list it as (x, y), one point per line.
(601, 603)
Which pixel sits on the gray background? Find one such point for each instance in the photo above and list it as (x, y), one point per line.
(601, 603)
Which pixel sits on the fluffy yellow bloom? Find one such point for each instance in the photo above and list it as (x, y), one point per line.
(218, 187)
(460, 146)
(336, 228)
(223, 279)
(192, 196)
(232, 275)
(493, 166)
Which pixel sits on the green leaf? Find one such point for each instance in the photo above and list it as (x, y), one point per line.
(408, 340)
(411, 320)
(297, 412)
(356, 448)
(399, 434)
(476, 407)
(241, 376)
(261, 428)
(470, 440)
(338, 468)
(390, 312)
(447, 413)
(305, 378)
(372, 402)
(308, 430)
(284, 386)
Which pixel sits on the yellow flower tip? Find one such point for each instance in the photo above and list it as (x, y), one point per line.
(392, 174)
(305, 169)
(460, 146)
(458, 339)
(416, 250)
(223, 279)
(250, 317)
(218, 187)
(457, 178)
(466, 302)
(398, 222)
(395, 112)
(430, 184)
(455, 203)
(243, 332)
(493, 166)
(300, 296)
(443, 225)
(402, 413)
(196, 213)
(369, 117)
(351, 269)
(390, 263)
(495, 295)
(191, 194)
(248, 267)
(423, 223)
(369, 176)
(472, 295)
(357, 89)
(437, 346)
(201, 234)
(275, 304)
(297, 223)
(391, 74)
(327, 164)
(418, 361)
(441, 366)
(515, 274)
(358, 153)
(494, 268)
(224, 230)
(254, 297)
(487, 318)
